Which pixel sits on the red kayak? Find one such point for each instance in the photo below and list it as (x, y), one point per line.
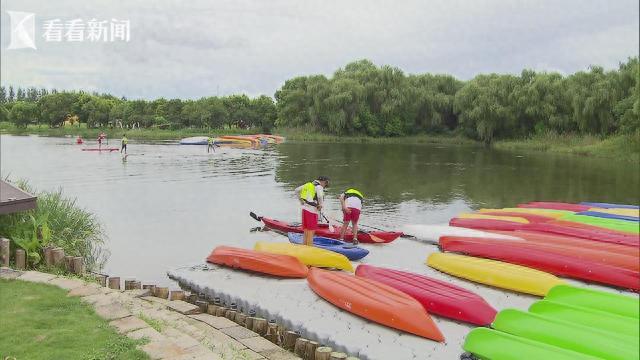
(486, 224)
(583, 231)
(555, 206)
(262, 262)
(602, 257)
(557, 264)
(324, 231)
(374, 301)
(437, 297)
(555, 239)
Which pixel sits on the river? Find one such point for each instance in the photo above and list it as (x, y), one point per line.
(168, 205)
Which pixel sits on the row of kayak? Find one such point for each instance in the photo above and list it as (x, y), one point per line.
(569, 323)
(247, 140)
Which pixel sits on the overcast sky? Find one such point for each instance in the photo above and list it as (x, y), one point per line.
(190, 49)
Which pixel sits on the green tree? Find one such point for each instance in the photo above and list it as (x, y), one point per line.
(22, 113)
(55, 108)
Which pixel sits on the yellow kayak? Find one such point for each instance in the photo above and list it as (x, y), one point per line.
(493, 217)
(309, 255)
(618, 211)
(556, 214)
(495, 273)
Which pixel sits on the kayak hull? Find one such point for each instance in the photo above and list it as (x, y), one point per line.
(486, 224)
(437, 297)
(270, 264)
(350, 251)
(374, 301)
(596, 299)
(308, 255)
(555, 206)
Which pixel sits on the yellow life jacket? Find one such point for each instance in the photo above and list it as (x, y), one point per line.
(353, 192)
(309, 192)
(125, 140)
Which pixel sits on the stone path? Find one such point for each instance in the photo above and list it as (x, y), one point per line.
(176, 330)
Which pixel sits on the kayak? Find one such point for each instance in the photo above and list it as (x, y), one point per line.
(542, 212)
(431, 233)
(437, 297)
(611, 224)
(555, 239)
(374, 301)
(101, 149)
(555, 206)
(529, 217)
(495, 273)
(324, 231)
(246, 259)
(493, 217)
(618, 211)
(239, 138)
(308, 255)
(487, 224)
(595, 299)
(608, 216)
(587, 340)
(543, 259)
(609, 205)
(587, 317)
(581, 253)
(350, 251)
(584, 231)
(496, 345)
(195, 140)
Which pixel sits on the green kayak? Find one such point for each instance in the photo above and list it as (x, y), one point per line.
(595, 299)
(487, 344)
(578, 338)
(587, 317)
(629, 227)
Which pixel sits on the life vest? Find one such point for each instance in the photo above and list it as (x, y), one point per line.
(210, 141)
(309, 191)
(353, 192)
(125, 141)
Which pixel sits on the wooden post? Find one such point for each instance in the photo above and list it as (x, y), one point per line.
(248, 322)
(301, 347)
(202, 304)
(231, 315)
(137, 285)
(114, 283)
(162, 292)
(221, 310)
(338, 356)
(211, 309)
(192, 298)
(310, 352)
(272, 332)
(323, 353)
(102, 279)
(5, 247)
(240, 318)
(127, 284)
(21, 259)
(78, 265)
(260, 326)
(68, 263)
(289, 341)
(148, 286)
(57, 256)
(176, 295)
(48, 259)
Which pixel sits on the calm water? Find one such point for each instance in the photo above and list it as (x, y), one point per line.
(169, 205)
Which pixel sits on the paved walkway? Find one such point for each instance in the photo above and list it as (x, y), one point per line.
(176, 330)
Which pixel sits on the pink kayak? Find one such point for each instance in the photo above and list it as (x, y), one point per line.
(101, 149)
(583, 231)
(486, 224)
(558, 264)
(437, 297)
(555, 206)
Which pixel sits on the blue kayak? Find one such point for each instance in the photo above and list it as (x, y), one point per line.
(352, 252)
(608, 216)
(609, 205)
(196, 140)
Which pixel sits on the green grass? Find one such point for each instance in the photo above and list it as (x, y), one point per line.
(158, 325)
(39, 321)
(623, 147)
(302, 135)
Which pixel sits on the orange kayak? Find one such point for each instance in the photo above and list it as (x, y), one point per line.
(556, 239)
(266, 263)
(602, 257)
(375, 301)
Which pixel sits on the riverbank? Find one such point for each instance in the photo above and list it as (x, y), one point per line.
(622, 147)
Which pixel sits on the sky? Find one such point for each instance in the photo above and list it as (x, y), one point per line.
(196, 48)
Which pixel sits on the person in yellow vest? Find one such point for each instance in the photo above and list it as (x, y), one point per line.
(124, 143)
(311, 196)
(351, 201)
(210, 144)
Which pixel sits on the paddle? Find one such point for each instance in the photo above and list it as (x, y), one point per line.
(331, 228)
(255, 217)
(373, 237)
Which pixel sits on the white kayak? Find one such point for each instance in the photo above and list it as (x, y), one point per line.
(432, 233)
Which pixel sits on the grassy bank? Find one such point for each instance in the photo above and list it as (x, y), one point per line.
(313, 136)
(624, 147)
(39, 321)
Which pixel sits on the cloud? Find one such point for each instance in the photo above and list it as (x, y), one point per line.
(200, 48)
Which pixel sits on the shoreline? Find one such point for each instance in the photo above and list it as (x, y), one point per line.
(622, 147)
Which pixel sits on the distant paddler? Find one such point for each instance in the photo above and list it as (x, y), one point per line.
(211, 144)
(101, 137)
(311, 196)
(351, 201)
(79, 140)
(124, 142)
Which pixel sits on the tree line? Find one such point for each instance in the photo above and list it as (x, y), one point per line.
(364, 99)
